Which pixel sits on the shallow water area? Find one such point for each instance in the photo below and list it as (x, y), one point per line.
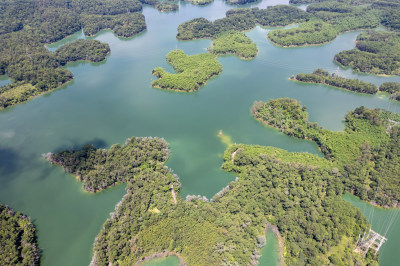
(108, 102)
(168, 261)
(269, 253)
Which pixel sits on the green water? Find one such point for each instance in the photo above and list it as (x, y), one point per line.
(168, 261)
(112, 101)
(269, 252)
(384, 222)
(4, 80)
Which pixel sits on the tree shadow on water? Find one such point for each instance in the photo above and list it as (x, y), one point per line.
(96, 142)
(8, 163)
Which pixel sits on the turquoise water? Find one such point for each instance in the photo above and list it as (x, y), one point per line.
(269, 253)
(386, 223)
(168, 261)
(4, 80)
(111, 101)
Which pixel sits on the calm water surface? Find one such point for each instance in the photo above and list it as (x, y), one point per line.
(111, 101)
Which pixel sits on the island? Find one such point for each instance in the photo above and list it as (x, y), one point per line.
(25, 29)
(166, 7)
(366, 155)
(192, 71)
(311, 32)
(18, 239)
(393, 88)
(323, 77)
(241, 19)
(376, 52)
(236, 43)
(39, 71)
(328, 19)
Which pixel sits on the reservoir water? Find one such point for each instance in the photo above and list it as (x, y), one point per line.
(108, 102)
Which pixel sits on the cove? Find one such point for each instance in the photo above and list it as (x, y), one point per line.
(111, 101)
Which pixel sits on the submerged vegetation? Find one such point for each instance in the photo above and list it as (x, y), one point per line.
(18, 245)
(366, 154)
(192, 71)
(274, 186)
(236, 43)
(376, 52)
(323, 77)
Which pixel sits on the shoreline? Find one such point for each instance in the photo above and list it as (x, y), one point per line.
(281, 246)
(310, 82)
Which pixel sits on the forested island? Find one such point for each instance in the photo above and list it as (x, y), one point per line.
(376, 52)
(192, 71)
(241, 19)
(27, 25)
(236, 43)
(18, 245)
(393, 88)
(273, 187)
(37, 70)
(323, 77)
(366, 154)
(329, 18)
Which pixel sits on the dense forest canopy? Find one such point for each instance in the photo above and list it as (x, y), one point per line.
(36, 70)
(241, 19)
(18, 245)
(366, 153)
(192, 71)
(323, 77)
(297, 192)
(376, 52)
(27, 25)
(234, 43)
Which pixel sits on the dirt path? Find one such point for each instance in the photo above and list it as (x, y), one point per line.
(173, 194)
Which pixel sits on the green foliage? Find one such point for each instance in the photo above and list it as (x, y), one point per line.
(376, 52)
(393, 88)
(124, 25)
(166, 6)
(26, 25)
(323, 77)
(192, 71)
(112, 166)
(344, 16)
(301, 197)
(390, 87)
(354, 151)
(240, 2)
(391, 13)
(90, 50)
(312, 32)
(234, 43)
(241, 19)
(35, 70)
(18, 245)
(200, 2)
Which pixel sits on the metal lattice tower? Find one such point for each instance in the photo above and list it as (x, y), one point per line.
(372, 240)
